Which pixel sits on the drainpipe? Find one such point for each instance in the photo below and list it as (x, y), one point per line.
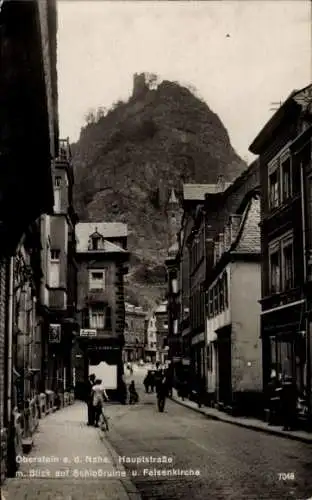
(306, 321)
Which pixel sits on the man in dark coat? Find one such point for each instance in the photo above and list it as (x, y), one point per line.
(89, 399)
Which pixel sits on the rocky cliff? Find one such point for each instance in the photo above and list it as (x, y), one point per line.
(127, 160)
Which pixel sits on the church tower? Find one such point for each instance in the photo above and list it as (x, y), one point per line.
(174, 217)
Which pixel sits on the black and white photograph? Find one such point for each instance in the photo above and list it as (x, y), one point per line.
(156, 249)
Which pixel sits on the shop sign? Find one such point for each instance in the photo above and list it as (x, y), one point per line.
(104, 348)
(87, 333)
(54, 334)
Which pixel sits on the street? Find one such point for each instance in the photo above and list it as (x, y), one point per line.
(177, 454)
(234, 463)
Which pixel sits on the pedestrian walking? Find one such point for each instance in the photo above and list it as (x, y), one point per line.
(99, 397)
(89, 399)
(162, 392)
(152, 381)
(146, 382)
(134, 397)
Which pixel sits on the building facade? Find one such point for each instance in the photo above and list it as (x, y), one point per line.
(102, 260)
(207, 209)
(233, 287)
(161, 315)
(134, 348)
(205, 222)
(59, 283)
(151, 353)
(192, 258)
(28, 135)
(174, 214)
(283, 146)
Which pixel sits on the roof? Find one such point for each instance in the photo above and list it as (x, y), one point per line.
(301, 97)
(196, 192)
(248, 237)
(110, 230)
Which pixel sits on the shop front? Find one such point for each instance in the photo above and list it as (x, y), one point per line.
(108, 351)
(198, 358)
(284, 344)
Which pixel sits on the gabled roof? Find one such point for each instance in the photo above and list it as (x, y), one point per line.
(197, 192)
(111, 230)
(302, 97)
(248, 237)
(111, 247)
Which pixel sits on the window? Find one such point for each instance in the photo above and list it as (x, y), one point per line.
(215, 299)
(55, 254)
(275, 272)
(210, 303)
(221, 288)
(57, 193)
(274, 189)
(286, 179)
(57, 200)
(95, 243)
(54, 268)
(97, 318)
(288, 267)
(226, 291)
(57, 181)
(97, 279)
(209, 357)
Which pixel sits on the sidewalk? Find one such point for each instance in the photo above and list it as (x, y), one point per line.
(251, 423)
(69, 461)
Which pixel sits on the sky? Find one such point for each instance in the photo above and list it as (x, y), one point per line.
(241, 56)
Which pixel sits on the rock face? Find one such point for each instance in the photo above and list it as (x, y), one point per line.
(127, 161)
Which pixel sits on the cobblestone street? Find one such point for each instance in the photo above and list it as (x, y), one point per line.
(234, 463)
(160, 452)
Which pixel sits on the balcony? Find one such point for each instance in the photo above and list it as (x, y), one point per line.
(280, 299)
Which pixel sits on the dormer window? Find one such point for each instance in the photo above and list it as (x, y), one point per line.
(95, 241)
